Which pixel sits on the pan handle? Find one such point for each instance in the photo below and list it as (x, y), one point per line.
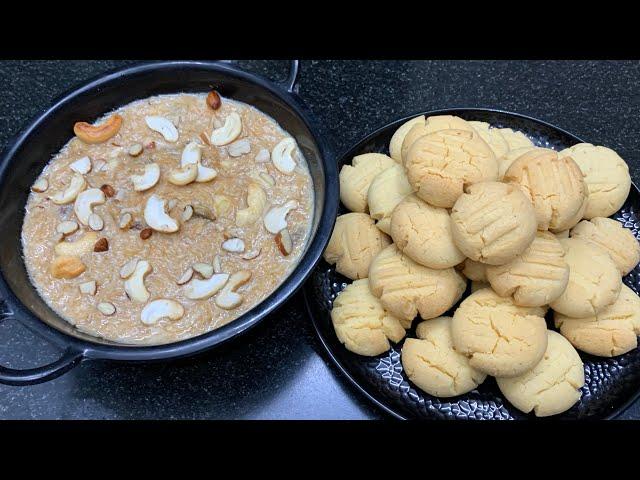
(292, 79)
(31, 376)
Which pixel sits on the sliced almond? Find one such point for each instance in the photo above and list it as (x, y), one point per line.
(204, 269)
(251, 255)
(239, 148)
(81, 166)
(276, 219)
(95, 222)
(125, 221)
(234, 245)
(128, 268)
(159, 309)
(185, 277)
(135, 150)
(148, 179)
(163, 126)
(284, 242)
(217, 264)
(228, 132)
(67, 228)
(99, 165)
(263, 156)
(41, 185)
(187, 213)
(106, 308)
(88, 288)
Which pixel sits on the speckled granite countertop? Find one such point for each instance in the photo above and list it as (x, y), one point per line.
(278, 370)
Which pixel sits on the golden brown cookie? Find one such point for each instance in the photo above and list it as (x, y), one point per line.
(354, 242)
(493, 222)
(440, 164)
(355, 179)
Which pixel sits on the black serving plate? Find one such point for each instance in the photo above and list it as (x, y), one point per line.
(611, 384)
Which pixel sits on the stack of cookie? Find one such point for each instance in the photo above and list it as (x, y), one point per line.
(459, 200)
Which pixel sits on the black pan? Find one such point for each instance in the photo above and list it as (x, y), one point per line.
(28, 153)
(611, 384)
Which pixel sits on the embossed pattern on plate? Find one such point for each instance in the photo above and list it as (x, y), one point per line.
(610, 383)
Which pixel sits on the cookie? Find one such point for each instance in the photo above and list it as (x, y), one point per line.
(354, 242)
(511, 156)
(440, 164)
(423, 233)
(554, 185)
(361, 323)
(476, 285)
(536, 277)
(499, 338)
(594, 280)
(493, 222)
(433, 365)
(475, 271)
(395, 145)
(432, 124)
(562, 234)
(387, 189)
(355, 179)
(607, 177)
(492, 137)
(407, 288)
(610, 235)
(610, 333)
(553, 385)
(515, 139)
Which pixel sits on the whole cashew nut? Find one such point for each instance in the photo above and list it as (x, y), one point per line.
(276, 219)
(163, 126)
(202, 289)
(159, 309)
(183, 175)
(134, 285)
(76, 185)
(75, 249)
(83, 207)
(98, 133)
(228, 132)
(148, 179)
(256, 201)
(282, 155)
(157, 218)
(228, 298)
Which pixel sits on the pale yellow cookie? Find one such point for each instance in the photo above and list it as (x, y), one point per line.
(611, 332)
(406, 288)
(562, 234)
(355, 179)
(493, 222)
(515, 139)
(423, 233)
(354, 242)
(554, 185)
(431, 362)
(511, 156)
(395, 145)
(492, 137)
(476, 285)
(607, 177)
(610, 235)
(361, 323)
(594, 280)
(553, 385)
(500, 338)
(440, 164)
(536, 277)
(475, 271)
(432, 124)
(387, 190)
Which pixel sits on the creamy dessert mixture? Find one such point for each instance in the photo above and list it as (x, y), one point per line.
(168, 218)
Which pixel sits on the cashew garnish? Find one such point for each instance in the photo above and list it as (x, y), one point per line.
(228, 132)
(184, 175)
(128, 268)
(282, 155)
(81, 166)
(83, 207)
(88, 288)
(234, 245)
(41, 185)
(125, 221)
(251, 255)
(67, 228)
(148, 179)
(203, 269)
(159, 309)
(135, 150)
(256, 201)
(95, 222)
(185, 277)
(284, 242)
(202, 289)
(163, 126)
(98, 133)
(75, 249)
(106, 308)
(67, 267)
(217, 264)
(228, 298)
(239, 148)
(157, 218)
(276, 219)
(193, 155)
(187, 213)
(76, 185)
(134, 285)
(263, 156)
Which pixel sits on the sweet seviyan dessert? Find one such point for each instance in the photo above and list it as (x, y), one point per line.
(168, 218)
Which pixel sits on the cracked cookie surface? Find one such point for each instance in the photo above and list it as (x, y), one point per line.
(356, 178)
(386, 191)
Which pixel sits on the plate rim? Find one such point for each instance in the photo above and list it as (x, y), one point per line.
(442, 111)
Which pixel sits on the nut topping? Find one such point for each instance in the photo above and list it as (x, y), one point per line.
(125, 221)
(145, 233)
(67, 228)
(134, 285)
(239, 148)
(83, 207)
(106, 308)
(81, 246)
(187, 213)
(256, 201)
(263, 156)
(228, 298)
(183, 175)
(98, 133)
(108, 190)
(213, 100)
(41, 185)
(148, 179)
(203, 269)
(228, 132)
(67, 267)
(276, 219)
(251, 255)
(159, 309)
(76, 186)
(81, 166)
(163, 126)
(284, 242)
(102, 245)
(95, 222)
(88, 288)
(185, 277)
(203, 289)
(282, 155)
(234, 245)
(135, 150)
(128, 268)
(157, 218)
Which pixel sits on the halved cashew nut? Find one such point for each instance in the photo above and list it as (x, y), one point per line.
(276, 219)
(134, 285)
(85, 202)
(263, 156)
(159, 309)
(228, 132)
(75, 249)
(128, 268)
(234, 245)
(239, 148)
(157, 218)
(282, 155)
(192, 155)
(81, 166)
(76, 185)
(256, 201)
(163, 126)
(88, 288)
(203, 269)
(67, 267)
(183, 175)
(228, 297)
(148, 179)
(98, 133)
(67, 228)
(202, 289)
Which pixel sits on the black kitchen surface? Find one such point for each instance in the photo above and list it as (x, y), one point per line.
(278, 370)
